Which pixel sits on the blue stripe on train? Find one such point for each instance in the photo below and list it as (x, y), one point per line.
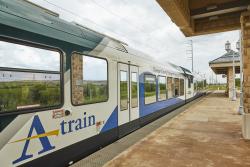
(112, 121)
(146, 109)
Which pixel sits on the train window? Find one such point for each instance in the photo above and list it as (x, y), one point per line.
(30, 78)
(176, 87)
(170, 85)
(181, 87)
(89, 80)
(190, 81)
(150, 88)
(195, 86)
(162, 88)
(134, 90)
(123, 90)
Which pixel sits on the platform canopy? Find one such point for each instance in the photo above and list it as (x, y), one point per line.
(198, 17)
(221, 64)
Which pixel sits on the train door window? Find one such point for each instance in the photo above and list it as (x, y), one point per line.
(170, 87)
(198, 85)
(173, 87)
(123, 90)
(134, 90)
(30, 78)
(89, 80)
(176, 87)
(150, 88)
(181, 87)
(190, 81)
(162, 88)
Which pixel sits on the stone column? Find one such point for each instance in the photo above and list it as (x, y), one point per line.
(245, 28)
(77, 79)
(230, 82)
(169, 85)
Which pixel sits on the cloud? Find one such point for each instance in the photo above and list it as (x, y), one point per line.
(19, 56)
(146, 27)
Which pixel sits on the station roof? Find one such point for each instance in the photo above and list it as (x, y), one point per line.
(221, 64)
(227, 58)
(198, 17)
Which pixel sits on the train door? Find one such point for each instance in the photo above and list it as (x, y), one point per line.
(128, 93)
(123, 94)
(134, 93)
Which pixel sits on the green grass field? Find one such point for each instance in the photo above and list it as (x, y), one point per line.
(24, 93)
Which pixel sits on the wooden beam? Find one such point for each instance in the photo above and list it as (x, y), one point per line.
(217, 9)
(228, 20)
(221, 65)
(196, 4)
(178, 11)
(222, 23)
(224, 70)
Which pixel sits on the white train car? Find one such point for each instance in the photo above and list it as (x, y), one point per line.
(66, 91)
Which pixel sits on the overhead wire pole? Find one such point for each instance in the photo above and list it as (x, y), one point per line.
(190, 53)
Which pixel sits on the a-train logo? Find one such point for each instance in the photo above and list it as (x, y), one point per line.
(43, 137)
(66, 127)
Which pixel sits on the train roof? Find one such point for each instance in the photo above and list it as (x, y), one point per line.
(28, 16)
(172, 68)
(186, 71)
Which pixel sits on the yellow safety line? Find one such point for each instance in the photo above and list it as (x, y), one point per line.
(51, 133)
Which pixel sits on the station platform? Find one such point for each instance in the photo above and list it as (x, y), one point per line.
(205, 132)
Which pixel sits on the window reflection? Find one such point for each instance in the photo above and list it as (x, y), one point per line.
(29, 77)
(134, 94)
(176, 87)
(26, 57)
(20, 90)
(89, 81)
(162, 95)
(181, 87)
(150, 89)
(170, 84)
(123, 90)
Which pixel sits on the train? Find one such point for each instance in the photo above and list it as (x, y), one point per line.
(66, 90)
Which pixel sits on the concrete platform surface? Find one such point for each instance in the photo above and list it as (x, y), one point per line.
(206, 134)
(102, 156)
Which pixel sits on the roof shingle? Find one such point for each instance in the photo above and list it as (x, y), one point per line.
(227, 58)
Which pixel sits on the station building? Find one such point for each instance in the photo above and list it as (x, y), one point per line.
(196, 17)
(223, 65)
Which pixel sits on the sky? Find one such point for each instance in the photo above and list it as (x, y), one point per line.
(143, 25)
(26, 57)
